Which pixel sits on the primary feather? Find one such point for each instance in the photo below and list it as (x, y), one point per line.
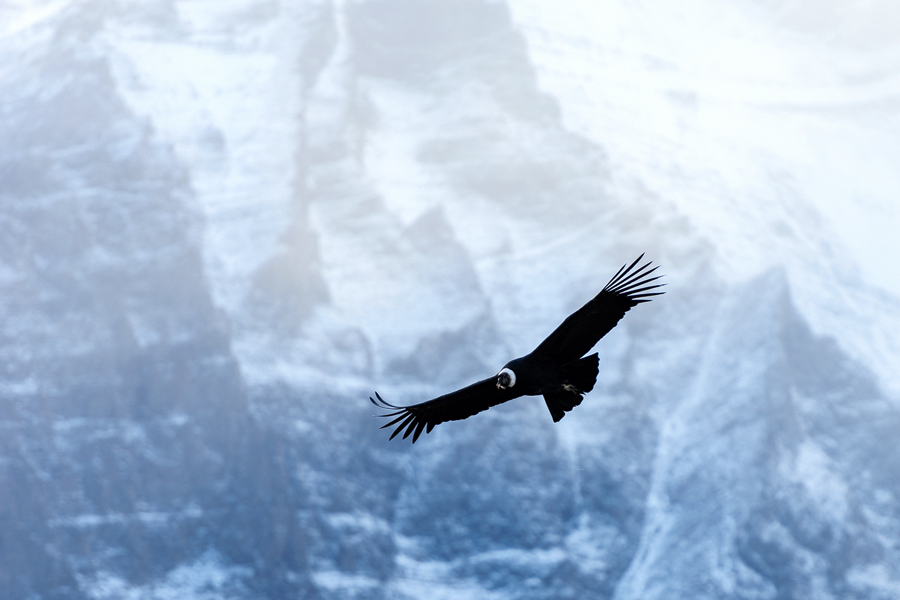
(454, 406)
(581, 330)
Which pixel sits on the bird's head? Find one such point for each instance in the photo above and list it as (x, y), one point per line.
(506, 378)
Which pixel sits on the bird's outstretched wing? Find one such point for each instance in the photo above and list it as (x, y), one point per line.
(454, 406)
(584, 328)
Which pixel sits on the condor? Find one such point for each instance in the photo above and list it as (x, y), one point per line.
(557, 369)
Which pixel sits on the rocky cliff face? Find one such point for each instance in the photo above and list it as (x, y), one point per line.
(224, 225)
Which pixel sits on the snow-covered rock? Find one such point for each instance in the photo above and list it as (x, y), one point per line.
(224, 224)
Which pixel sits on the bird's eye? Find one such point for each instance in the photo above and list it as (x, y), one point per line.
(506, 379)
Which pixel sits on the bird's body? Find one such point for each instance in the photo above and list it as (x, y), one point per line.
(557, 369)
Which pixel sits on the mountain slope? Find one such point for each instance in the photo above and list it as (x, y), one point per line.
(225, 224)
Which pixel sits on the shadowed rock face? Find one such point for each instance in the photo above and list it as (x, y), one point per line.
(202, 280)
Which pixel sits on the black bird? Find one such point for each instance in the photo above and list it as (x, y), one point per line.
(555, 369)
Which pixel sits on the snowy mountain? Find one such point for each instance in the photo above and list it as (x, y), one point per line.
(223, 225)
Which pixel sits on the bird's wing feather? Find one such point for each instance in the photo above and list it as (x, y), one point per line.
(454, 406)
(584, 328)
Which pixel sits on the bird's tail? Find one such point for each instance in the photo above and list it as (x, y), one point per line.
(581, 376)
(561, 402)
(583, 373)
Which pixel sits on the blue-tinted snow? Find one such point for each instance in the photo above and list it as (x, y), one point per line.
(225, 224)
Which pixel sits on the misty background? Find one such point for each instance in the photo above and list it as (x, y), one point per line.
(224, 224)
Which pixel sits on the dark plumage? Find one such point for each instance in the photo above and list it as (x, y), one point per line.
(556, 369)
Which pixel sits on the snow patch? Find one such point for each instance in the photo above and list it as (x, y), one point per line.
(875, 579)
(149, 518)
(815, 470)
(207, 578)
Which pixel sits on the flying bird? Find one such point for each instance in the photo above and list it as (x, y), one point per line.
(557, 369)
